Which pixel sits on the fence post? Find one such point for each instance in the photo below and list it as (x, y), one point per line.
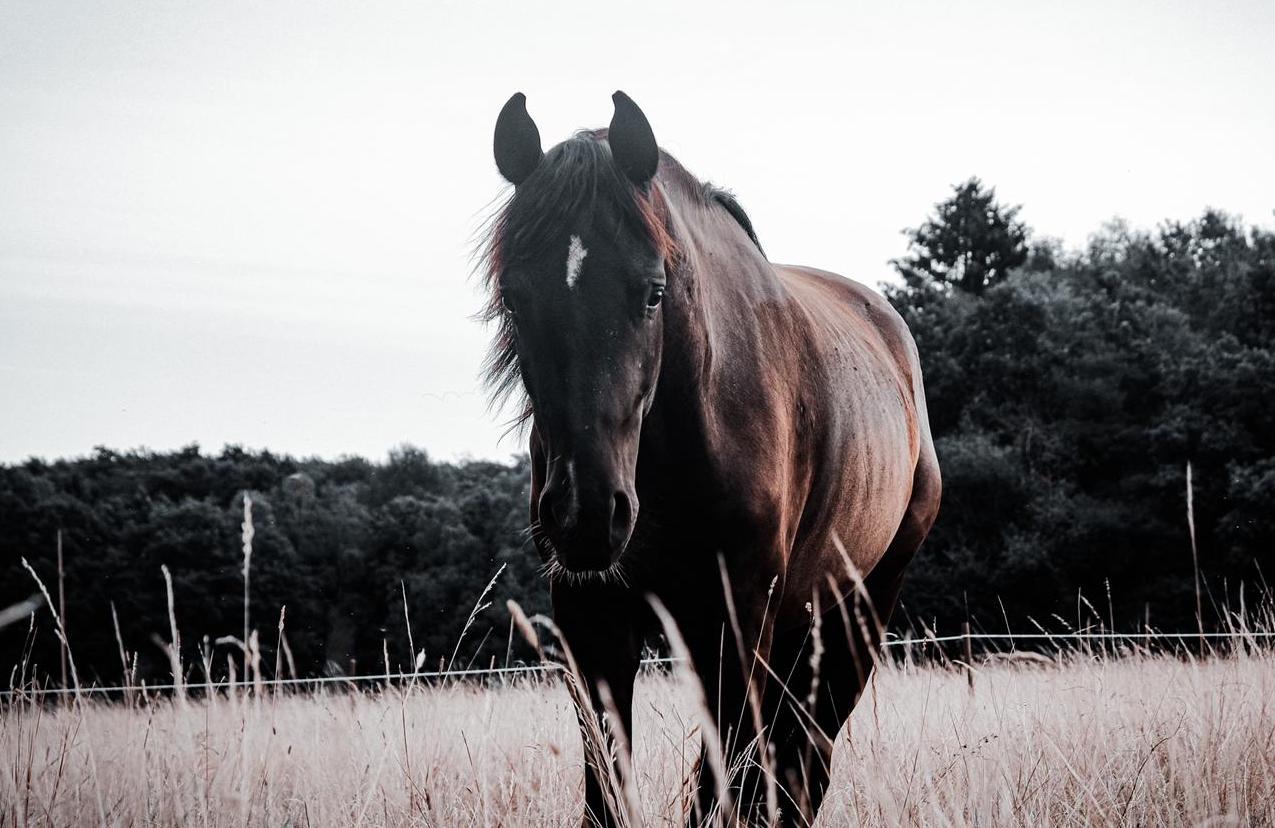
(62, 612)
(969, 654)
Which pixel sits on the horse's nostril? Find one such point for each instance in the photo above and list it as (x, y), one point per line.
(556, 508)
(621, 520)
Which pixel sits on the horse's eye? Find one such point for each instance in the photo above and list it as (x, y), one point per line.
(507, 302)
(654, 298)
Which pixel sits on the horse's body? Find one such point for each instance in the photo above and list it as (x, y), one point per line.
(781, 448)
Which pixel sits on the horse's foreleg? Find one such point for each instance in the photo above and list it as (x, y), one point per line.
(733, 687)
(598, 627)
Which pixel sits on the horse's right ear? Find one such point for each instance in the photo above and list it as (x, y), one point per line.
(517, 143)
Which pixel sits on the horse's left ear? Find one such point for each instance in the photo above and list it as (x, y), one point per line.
(632, 141)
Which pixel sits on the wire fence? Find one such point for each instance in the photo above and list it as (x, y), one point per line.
(1095, 636)
(425, 676)
(317, 681)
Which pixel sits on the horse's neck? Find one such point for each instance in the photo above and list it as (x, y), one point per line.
(729, 281)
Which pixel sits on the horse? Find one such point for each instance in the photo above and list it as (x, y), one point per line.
(742, 445)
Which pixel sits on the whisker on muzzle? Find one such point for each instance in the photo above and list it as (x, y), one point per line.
(554, 572)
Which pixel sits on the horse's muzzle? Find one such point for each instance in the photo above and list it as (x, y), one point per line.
(589, 533)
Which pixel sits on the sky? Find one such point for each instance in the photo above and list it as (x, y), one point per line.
(252, 223)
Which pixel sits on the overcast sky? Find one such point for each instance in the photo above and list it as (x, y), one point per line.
(251, 222)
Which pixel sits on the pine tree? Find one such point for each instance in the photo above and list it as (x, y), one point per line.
(970, 243)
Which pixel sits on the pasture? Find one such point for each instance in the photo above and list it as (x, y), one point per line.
(1088, 739)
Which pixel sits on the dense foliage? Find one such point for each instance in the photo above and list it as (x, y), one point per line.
(1067, 393)
(1067, 397)
(342, 544)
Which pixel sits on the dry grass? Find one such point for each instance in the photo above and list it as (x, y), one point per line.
(1139, 741)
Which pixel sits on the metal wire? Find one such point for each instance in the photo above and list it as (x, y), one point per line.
(524, 669)
(317, 681)
(1072, 636)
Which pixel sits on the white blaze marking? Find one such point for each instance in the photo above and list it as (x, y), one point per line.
(575, 260)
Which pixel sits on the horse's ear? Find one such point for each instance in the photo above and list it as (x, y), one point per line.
(517, 143)
(632, 141)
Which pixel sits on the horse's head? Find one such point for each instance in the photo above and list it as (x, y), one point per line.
(577, 272)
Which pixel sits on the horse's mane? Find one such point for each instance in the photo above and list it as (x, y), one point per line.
(727, 199)
(569, 181)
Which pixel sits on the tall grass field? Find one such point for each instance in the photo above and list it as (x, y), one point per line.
(1083, 740)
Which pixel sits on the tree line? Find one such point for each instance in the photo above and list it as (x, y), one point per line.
(355, 550)
(1068, 392)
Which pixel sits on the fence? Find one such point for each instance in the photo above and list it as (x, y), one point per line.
(967, 638)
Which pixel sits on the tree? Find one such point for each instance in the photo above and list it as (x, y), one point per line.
(970, 243)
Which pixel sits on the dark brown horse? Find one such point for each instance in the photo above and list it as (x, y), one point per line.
(746, 442)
